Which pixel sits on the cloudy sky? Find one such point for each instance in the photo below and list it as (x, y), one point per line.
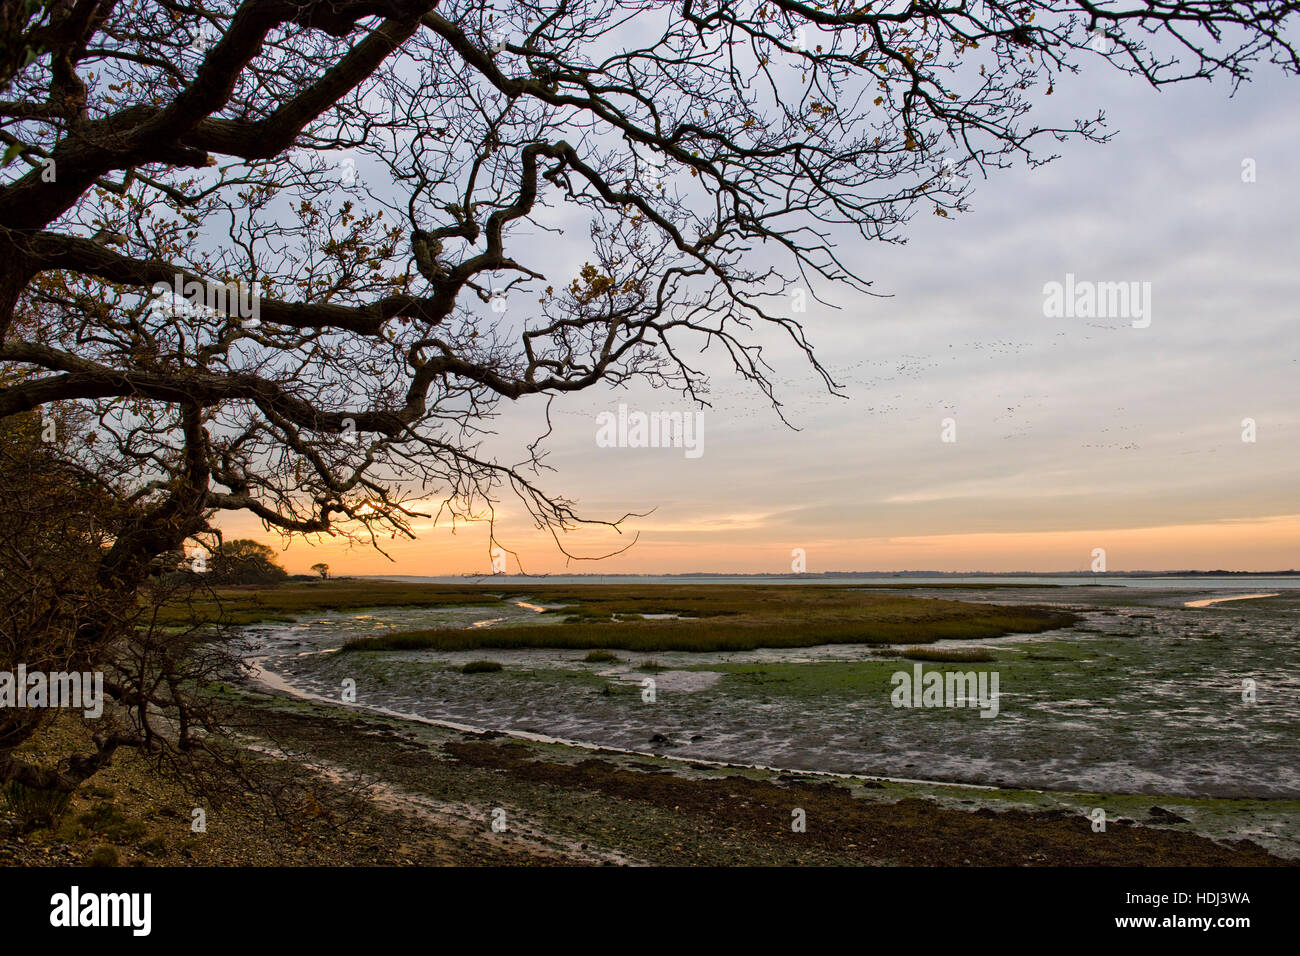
(1071, 433)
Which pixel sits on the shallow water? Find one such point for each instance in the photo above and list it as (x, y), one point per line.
(1144, 695)
(1209, 602)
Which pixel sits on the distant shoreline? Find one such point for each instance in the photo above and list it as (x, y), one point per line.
(901, 578)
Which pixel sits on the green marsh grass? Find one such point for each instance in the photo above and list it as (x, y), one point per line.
(611, 617)
(256, 603)
(950, 655)
(730, 618)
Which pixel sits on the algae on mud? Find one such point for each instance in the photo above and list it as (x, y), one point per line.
(1136, 698)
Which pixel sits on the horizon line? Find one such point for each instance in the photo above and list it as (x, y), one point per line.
(1173, 572)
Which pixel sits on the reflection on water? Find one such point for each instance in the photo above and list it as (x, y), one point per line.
(1209, 602)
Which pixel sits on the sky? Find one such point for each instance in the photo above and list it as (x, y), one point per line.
(1072, 433)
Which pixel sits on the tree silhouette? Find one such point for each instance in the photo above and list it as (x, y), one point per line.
(372, 177)
(244, 561)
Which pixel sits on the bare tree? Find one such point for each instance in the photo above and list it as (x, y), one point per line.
(257, 243)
